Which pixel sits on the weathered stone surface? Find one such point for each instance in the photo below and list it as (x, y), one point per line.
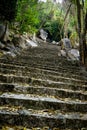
(39, 89)
(43, 34)
(74, 54)
(66, 44)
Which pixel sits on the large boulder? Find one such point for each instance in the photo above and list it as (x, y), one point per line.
(23, 42)
(73, 54)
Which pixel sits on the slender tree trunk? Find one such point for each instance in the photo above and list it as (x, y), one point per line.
(84, 37)
(81, 33)
(65, 20)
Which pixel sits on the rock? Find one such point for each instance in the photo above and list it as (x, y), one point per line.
(73, 54)
(25, 112)
(66, 44)
(19, 41)
(63, 53)
(10, 55)
(43, 34)
(59, 54)
(31, 43)
(23, 42)
(53, 42)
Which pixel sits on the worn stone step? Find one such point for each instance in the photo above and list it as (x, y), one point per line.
(56, 92)
(15, 127)
(52, 61)
(45, 55)
(14, 79)
(50, 83)
(79, 73)
(39, 82)
(45, 65)
(43, 61)
(19, 116)
(41, 76)
(43, 102)
(64, 86)
(20, 69)
(54, 67)
(39, 88)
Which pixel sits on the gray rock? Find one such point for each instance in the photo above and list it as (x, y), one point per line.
(24, 112)
(19, 41)
(66, 44)
(30, 43)
(43, 34)
(73, 54)
(10, 55)
(63, 53)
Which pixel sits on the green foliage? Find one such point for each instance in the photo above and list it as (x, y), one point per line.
(27, 15)
(7, 9)
(51, 19)
(33, 15)
(54, 29)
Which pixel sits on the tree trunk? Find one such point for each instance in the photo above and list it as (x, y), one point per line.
(81, 33)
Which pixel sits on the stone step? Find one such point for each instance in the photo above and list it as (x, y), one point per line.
(21, 70)
(5, 78)
(68, 88)
(15, 127)
(42, 76)
(43, 61)
(56, 66)
(50, 83)
(42, 65)
(14, 79)
(56, 92)
(75, 72)
(43, 102)
(39, 88)
(16, 115)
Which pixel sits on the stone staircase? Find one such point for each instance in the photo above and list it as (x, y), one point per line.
(40, 89)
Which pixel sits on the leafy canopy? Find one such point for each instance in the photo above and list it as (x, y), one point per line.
(27, 15)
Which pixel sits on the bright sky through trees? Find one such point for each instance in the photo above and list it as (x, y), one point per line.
(60, 1)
